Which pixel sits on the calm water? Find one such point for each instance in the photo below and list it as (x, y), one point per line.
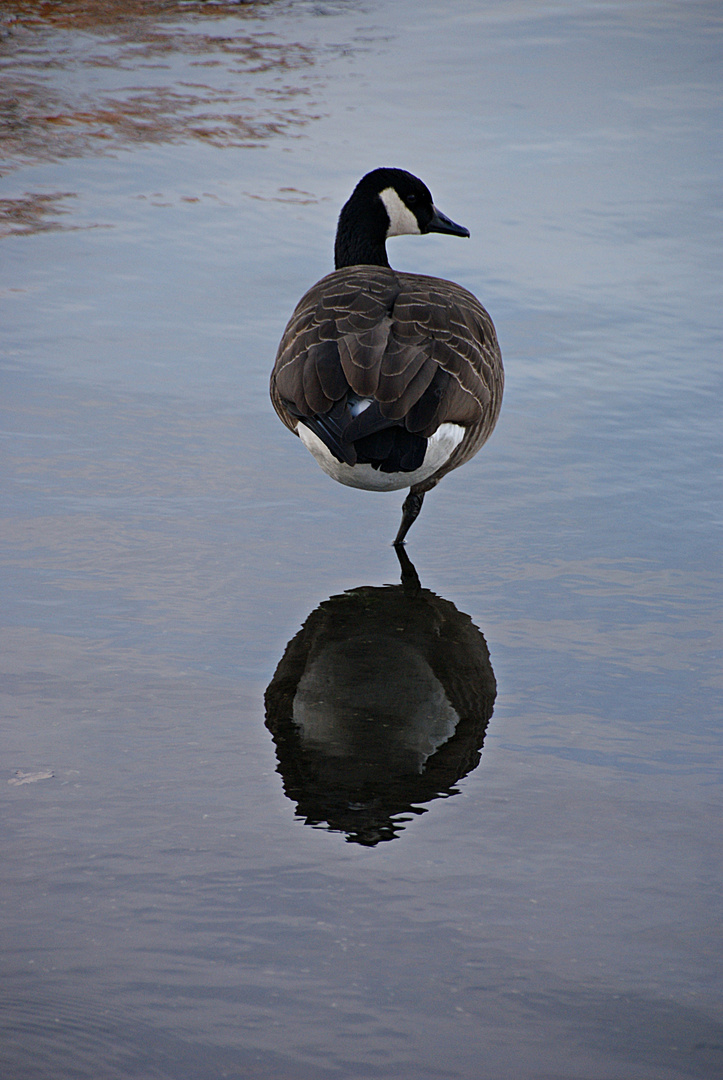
(512, 873)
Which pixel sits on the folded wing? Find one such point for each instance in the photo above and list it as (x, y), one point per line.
(368, 350)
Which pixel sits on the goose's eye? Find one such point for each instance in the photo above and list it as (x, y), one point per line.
(411, 199)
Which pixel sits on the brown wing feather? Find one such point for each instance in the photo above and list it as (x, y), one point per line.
(361, 356)
(339, 329)
(424, 348)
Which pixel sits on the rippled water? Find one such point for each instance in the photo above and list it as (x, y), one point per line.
(512, 872)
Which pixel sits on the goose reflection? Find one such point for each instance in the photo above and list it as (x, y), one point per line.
(379, 703)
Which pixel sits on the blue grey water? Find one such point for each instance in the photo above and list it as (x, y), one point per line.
(186, 892)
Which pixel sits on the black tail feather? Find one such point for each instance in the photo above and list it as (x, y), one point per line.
(367, 438)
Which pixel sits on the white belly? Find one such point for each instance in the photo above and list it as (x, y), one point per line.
(439, 449)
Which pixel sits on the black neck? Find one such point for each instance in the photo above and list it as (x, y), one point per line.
(358, 251)
(361, 233)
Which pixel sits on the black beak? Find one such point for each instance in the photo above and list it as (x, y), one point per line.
(441, 223)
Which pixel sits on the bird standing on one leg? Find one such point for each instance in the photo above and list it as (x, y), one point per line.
(391, 380)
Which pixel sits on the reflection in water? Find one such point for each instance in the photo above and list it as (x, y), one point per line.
(32, 212)
(379, 703)
(125, 77)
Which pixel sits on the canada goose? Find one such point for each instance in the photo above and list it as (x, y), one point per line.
(391, 380)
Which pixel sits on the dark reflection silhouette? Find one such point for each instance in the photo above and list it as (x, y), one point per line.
(380, 702)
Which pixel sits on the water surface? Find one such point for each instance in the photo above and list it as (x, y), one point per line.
(215, 881)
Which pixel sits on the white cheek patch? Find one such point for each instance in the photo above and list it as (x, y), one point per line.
(401, 218)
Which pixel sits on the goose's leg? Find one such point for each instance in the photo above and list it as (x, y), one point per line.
(410, 509)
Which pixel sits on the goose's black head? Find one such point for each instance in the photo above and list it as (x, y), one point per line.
(386, 202)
